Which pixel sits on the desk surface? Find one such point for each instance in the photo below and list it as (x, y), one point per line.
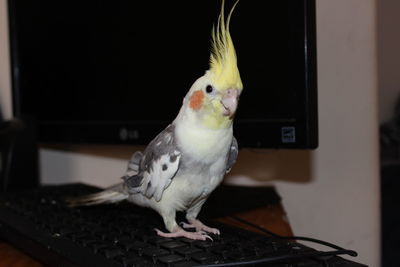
(272, 217)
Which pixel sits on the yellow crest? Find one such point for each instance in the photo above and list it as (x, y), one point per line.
(223, 62)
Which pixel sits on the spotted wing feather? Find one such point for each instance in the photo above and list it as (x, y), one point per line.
(233, 154)
(158, 166)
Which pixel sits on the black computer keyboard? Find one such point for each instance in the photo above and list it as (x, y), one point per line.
(39, 223)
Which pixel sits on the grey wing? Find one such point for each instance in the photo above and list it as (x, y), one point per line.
(232, 156)
(156, 167)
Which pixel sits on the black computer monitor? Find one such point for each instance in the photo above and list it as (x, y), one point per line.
(115, 72)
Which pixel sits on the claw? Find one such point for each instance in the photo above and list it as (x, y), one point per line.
(209, 237)
(199, 235)
(199, 226)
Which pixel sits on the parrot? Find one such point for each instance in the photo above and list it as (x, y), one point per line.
(183, 164)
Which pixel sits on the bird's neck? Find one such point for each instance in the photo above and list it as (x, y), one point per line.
(200, 141)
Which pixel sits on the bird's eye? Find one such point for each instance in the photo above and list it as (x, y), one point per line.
(209, 89)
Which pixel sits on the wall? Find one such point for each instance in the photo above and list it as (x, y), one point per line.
(331, 193)
(341, 203)
(5, 83)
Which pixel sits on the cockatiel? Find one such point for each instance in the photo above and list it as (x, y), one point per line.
(182, 166)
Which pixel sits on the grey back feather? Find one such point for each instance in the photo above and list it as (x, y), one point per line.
(158, 166)
(233, 154)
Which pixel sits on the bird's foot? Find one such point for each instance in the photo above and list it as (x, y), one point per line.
(199, 235)
(199, 226)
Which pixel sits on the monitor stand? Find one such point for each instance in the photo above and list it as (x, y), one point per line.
(230, 199)
(19, 169)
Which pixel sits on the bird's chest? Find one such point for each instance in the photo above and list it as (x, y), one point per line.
(203, 162)
(199, 181)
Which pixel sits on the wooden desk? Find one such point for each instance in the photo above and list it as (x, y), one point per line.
(272, 217)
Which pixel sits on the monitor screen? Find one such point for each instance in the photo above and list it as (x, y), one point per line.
(112, 72)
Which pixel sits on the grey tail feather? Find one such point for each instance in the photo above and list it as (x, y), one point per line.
(112, 194)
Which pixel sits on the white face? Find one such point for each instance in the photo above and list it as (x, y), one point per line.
(213, 107)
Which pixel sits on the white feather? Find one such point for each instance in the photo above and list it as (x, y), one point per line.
(201, 142)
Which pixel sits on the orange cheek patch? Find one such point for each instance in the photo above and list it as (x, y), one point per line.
(196, 99)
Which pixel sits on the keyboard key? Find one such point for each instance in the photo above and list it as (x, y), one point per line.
(204, 257)
(170, 259)
(173, 245)
(233, 253)
(66, 231)
(157, 240)
(242, 257)
(188, 241)
(186, 251)
(264, 250)
(88, 241)
(238, 256)
(133, 260)
(185, 264)
(97, 246)
(155, 252)
(205, 244)
(136, 245)
(111, 252)
(113, 235)
(222, 250)
(79, 236)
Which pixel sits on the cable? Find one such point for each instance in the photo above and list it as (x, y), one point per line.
(279, 258)
(316, 254)
(350, 252)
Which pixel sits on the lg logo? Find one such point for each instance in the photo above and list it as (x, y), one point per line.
(125, 134)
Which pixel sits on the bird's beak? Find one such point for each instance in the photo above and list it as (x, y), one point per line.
(230, 101)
